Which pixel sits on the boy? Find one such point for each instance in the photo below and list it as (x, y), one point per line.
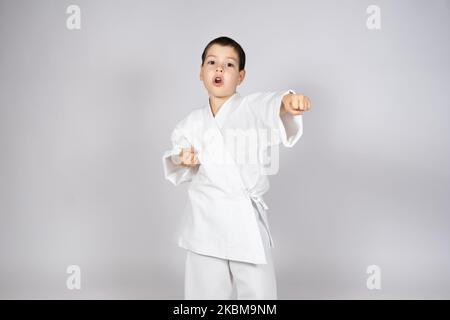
(225, 229)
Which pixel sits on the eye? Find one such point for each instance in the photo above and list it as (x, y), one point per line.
(230, 65)
(211, 62)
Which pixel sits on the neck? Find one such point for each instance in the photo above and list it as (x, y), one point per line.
(217, 102)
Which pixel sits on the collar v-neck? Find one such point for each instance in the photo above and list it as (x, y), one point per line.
(223, 111)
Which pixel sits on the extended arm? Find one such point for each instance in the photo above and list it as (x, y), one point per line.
(280, 111)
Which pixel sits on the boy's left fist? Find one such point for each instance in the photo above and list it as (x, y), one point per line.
(295, 104)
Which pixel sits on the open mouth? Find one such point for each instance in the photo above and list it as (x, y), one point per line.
(218, 81)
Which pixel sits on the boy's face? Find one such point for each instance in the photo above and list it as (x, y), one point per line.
(220, 71)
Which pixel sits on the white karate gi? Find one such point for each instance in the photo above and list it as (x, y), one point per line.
(219, 219)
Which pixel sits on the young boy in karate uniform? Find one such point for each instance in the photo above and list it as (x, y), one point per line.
(221, 151)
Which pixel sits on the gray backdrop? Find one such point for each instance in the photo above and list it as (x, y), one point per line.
(86, 115)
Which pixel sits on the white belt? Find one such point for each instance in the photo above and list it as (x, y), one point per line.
(259, 200)
(261, 207)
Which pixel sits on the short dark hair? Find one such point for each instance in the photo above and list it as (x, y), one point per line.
(225, 41)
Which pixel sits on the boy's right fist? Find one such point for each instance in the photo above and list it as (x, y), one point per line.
(188, 157)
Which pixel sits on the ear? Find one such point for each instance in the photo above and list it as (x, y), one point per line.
(201, 75)
(241, 76)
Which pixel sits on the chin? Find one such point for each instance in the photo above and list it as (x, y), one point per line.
(221, 93)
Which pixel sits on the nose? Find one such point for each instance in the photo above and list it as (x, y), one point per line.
(219, 68)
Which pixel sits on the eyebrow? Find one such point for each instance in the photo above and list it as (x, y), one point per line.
(211, 55)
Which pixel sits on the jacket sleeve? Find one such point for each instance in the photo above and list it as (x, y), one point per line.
(173, 171)
(266, 107)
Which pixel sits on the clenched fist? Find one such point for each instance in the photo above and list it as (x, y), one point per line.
(295, 104)
(188, 157)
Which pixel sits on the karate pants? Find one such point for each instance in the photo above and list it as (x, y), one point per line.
(208, 277)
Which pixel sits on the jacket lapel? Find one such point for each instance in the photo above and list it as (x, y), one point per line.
(216, 124)
(224, 111)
